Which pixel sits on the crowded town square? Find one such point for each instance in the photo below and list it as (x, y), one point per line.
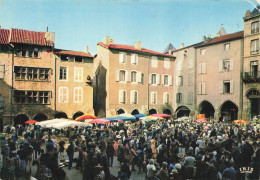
(148, 147)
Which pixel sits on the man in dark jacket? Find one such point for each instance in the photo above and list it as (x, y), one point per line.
(110, 153)
(70, 153)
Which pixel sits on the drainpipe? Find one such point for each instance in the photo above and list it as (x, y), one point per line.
(195, 85)
(12, 84)
(241, 77)
(55, 79)
(148, 87)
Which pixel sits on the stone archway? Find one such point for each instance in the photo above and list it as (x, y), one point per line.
(230, 110)
(182, 111)
(120, 111)
(253, 96)
(152, 111)
(20, 119)
(77, 114)
(167, 111)
(61, 115)
(206, 108)
(40, 117)
(135, 111)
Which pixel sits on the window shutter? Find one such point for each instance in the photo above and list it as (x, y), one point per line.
(203, 88)
(132, 97)
(220, 66)
(199, 88)
(200, 68)
(127, 79)
(60, 94)
(170, 80)
(150, 79)
(163, 79)
(139, 77)
(204, 69)
(158, 79)
(164, 98)
(121, 58)
(221, 87)
(117, 75)
(177, 81)
(232, 86)
(231, 64)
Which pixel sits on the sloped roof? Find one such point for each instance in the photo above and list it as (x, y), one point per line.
(193, 45)
(73, 53)
(29, 37)
(131, 48)
(224, 38)
(4, 36)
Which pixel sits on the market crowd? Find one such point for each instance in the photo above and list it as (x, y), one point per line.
(160, 150)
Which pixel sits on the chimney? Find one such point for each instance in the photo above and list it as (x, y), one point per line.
(86, 49)
(138, 45)
(106, 40)
(182, 45)
(50, 36)
(111, 41)
(248, 13)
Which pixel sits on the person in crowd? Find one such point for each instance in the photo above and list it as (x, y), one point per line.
(70, 153)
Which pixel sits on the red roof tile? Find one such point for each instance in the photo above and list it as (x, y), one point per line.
(74, 53)
(131, 48)
(29, 37)
(4, 36)
(227, 37)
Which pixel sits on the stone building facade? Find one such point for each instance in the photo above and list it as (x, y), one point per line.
(131, 79)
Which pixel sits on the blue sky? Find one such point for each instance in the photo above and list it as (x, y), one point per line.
(155, 23)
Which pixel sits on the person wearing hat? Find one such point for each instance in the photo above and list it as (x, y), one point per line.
(163, 173)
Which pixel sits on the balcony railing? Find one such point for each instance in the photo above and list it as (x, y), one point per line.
(251, 77)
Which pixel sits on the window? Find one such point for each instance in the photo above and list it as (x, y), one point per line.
(179, 80)
(2, 71)
(122, 75)
(63, 73)
(122, 96)
(226, 86)
(255, 46)
(154, 61)
(226, 47)
(31, 73)
(133, 76)
(31, 53)
(202, 51)
(140, 77)
(226, 65)
(78, 74)
(63, 94)
(122, 58)
(167, 63)
(78, 94)
(64, 58)
(166, 98)
(255, 27)
(165, 79)
(254, 68)
(190, 80)
(153, 79)
(134, 58)
(78, 59)
(202, 68)
(190, 98)
(32, 97)
(179, 98)
(134, 97)
(202, 88)
(154, 97)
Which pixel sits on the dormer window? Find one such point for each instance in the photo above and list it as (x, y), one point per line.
(64, 57)
(78, 59)
(31, 53)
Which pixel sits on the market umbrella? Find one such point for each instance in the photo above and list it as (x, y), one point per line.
(200, 120)
(125, 117)
(31, 122)
(149, 118)
(85, 116)
(240, 122)
(99, 121)
(161, 115)
(114, 120)
(139, 115)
